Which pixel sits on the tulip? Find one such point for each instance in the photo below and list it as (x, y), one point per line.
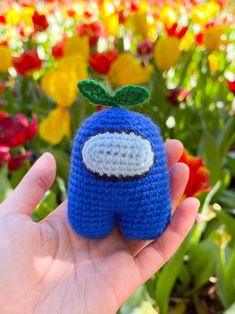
(2, 19)
(61, 86)
(198, 176)
(167, 52)
(127, 70)
(93, 30)
(168, 16)
(101, 62)
(231, 86)
(204, 12)
(75, 64)
(27, 62)
(111, 24)
(176, 95)
(145, 48)
(213, 63)
(16, 161)
(77, 45)
(139, 23)
(212, 36)
(12, 17)
(16, 130)
(56, 126)
(58, 50)
(5, 59)
(40, 22)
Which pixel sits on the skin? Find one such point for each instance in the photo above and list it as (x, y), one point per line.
(46, 268)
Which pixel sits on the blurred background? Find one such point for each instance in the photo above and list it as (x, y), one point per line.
(184, 53)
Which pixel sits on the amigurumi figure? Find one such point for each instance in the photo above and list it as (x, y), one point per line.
(118, 173)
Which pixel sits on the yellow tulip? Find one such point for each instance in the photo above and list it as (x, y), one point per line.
(187, 41)
(12, 17)
(77, 45)
(5, 59)
(212, 37)
(61, 86)
(126, 70)
(139, 23)
(166, 52)
(27, 14)
(56, 126)
(75, 63)
(111, 24)
(168, 16)
(213, 63)
(203, 13)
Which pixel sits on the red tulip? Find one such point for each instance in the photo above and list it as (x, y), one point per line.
(16, 130)
(198, 177)
(58, 50)
(40, 22)
(15, 162)
(93, 30)
(175, 31)
(71, 13)
(101, 62)
(27, 62)
(231, 86)
(145, 47)
(2, 19)
(176, 95)
(199, 39)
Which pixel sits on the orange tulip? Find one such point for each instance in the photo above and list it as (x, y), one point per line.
(198, 177)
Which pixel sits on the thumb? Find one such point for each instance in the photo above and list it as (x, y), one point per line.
(32, 187)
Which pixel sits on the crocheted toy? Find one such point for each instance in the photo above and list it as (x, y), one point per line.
(118, 173)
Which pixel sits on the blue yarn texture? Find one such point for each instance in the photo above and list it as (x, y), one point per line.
(139, 206)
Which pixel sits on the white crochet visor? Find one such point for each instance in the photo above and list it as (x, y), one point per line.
(118, 155)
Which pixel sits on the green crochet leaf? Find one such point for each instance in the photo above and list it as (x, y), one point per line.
(95, 92)
(125, 96)
(130, 95)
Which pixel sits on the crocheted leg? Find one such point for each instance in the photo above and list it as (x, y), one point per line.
(143, 226)
(92, 223)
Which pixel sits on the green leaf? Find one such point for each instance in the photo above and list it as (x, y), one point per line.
(209, 151)
(5, 187)
(231, 309)
(95, 92)
(226, 136)
(168, 276)
(130, 95)
(198, 230)
(227, 220)
(225, 276)
(45, 207)
(203, 258)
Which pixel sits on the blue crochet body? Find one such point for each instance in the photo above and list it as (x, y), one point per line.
(140, 205)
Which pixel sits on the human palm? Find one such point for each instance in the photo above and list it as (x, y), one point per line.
(46, 268)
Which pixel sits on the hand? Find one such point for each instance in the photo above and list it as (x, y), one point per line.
(46, 268)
